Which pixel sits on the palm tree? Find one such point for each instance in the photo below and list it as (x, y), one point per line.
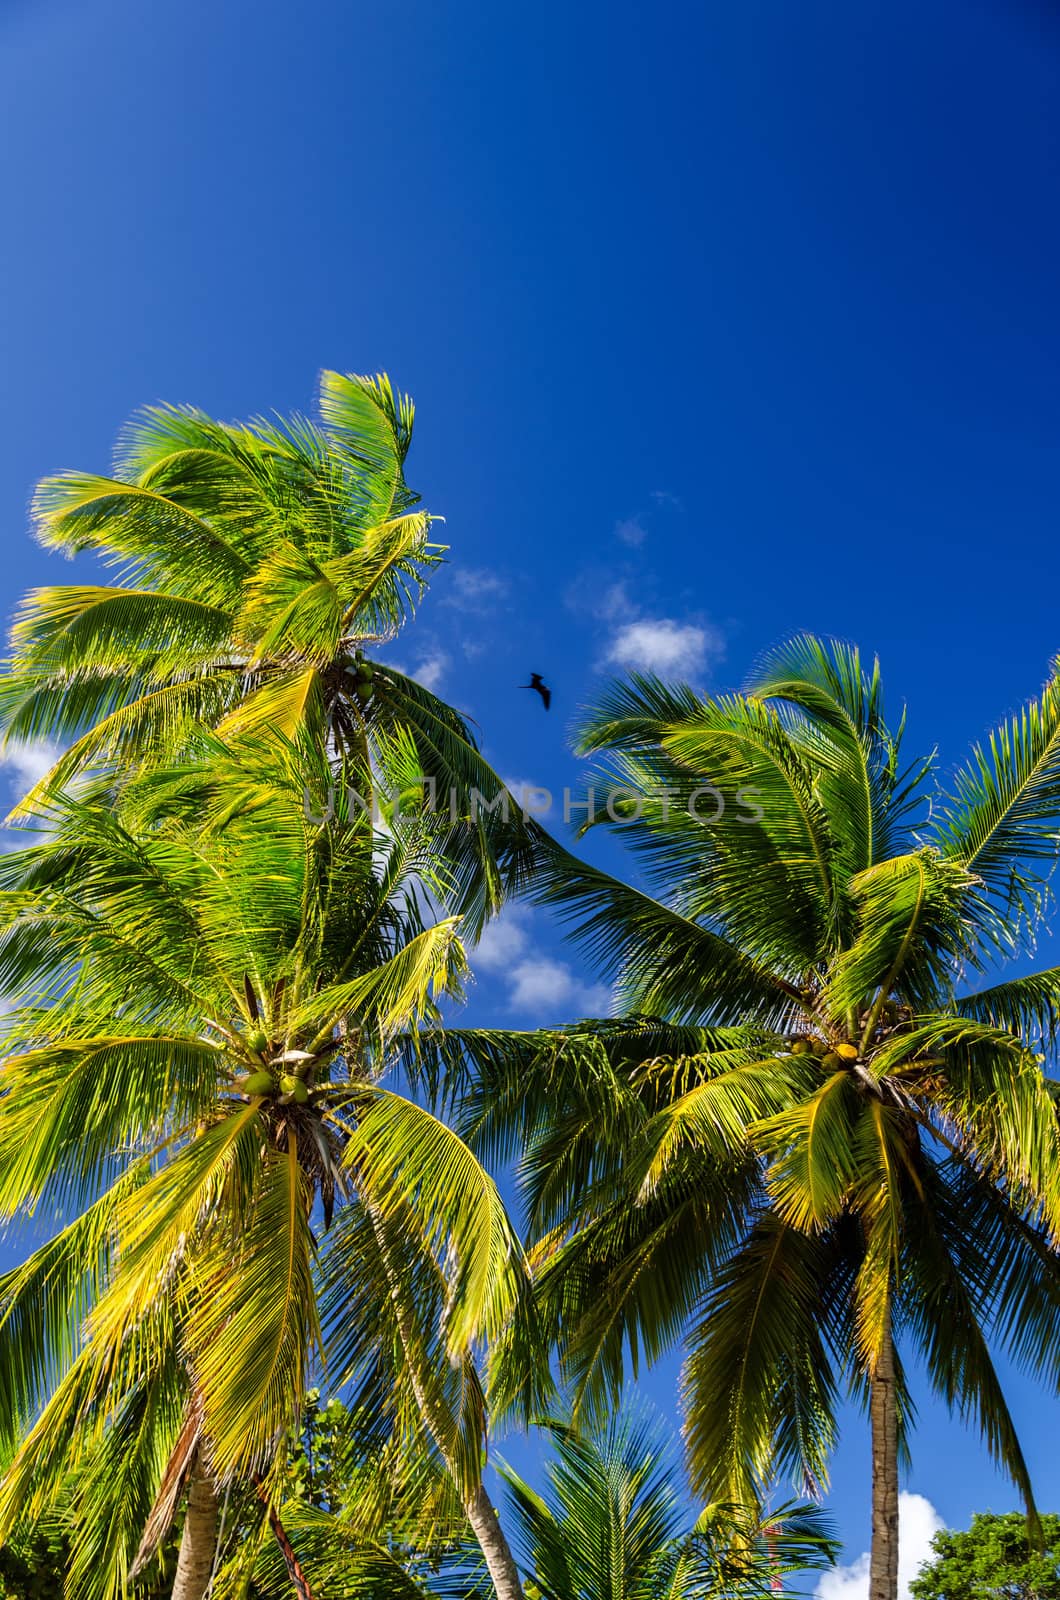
(194, 1081)
(387, 1526)
(822, 1134)
(254, 565)
(612, 1525)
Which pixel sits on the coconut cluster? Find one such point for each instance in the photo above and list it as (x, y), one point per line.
(266, 1081)
(830, 1055)
(362, 680)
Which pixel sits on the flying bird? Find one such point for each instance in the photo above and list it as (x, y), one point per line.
(540, 688)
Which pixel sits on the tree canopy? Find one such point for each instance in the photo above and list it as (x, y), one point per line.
(994, 1559)
(814, 1142)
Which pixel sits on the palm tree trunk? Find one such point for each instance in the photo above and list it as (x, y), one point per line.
(478, 1507)
(883, 1413)
(198, 1541)
(299, 1581)
(496, 1551)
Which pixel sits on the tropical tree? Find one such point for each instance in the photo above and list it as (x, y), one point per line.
(361, 1520)
(207, 981)
(254, 565)
(994, 1559)
(369, 1520)
(613, 1524)
(821, 1136)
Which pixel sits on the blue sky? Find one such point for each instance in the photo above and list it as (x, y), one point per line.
(722, 322)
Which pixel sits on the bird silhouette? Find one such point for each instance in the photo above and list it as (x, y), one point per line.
(539, 688)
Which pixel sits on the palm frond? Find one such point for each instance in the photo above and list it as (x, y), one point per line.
(403, 1156)
(252, 1325)
(1000, 818)
(759, 1385)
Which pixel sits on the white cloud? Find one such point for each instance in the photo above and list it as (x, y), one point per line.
(664, 497)
(503, 939)
(550, 990)
(631, 531)
(538, 985)
(849, 1582)
(431, 669)
(532, 796)
(665, 646)
(26, 764)
(476, 589)
(671, 646)
(918, 1522)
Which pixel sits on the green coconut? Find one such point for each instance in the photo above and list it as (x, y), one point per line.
(259, 1083)
(257, 1040)
(833, 1061)
(289, 1083)
(300, 1093)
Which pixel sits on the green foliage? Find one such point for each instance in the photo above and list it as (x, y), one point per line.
(994, 1559)
(321, 1471)
(809, 1131)
(613, 1521)
(146, 943)
(33, 1567)
(255, 564)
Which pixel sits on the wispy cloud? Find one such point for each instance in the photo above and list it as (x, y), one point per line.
(475, 589)
(539, 986)
(918, 1523)
(631, 531)
(662, 644)
(27, 764)
(431, 670)
(530, 795)
(614, 603)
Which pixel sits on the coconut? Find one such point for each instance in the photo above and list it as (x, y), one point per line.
(289, 1083)
(849, 1052)
(832, 1060)
(800, 1047)
(257, 1040)
(300, 1092)
(259, 1083)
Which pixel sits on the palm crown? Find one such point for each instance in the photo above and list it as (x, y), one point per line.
(812, 1134)
(207, 1011)
(612, 1523)
(254, 564)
